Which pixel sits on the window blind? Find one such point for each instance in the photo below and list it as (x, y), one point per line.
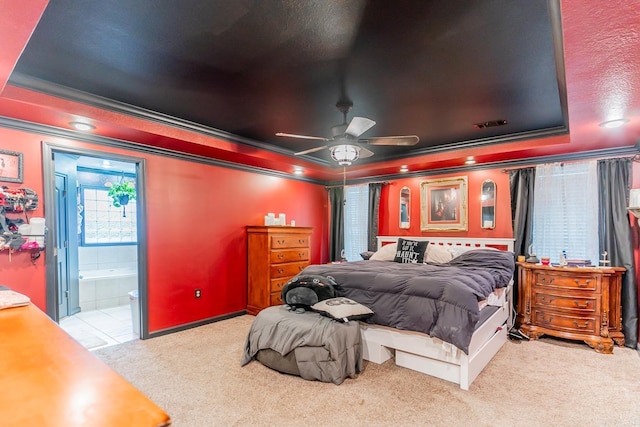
(356, 213)
(565, 213)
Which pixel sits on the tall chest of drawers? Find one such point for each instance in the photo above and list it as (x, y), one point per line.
(275, 255)
(572, 303)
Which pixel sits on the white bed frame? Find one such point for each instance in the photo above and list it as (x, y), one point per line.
(422, 353)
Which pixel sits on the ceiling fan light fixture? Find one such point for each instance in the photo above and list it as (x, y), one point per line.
(345, 154)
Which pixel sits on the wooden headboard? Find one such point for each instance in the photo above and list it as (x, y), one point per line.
(498, 243)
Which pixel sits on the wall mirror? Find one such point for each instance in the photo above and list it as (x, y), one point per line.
(488, 204)
(405, 207)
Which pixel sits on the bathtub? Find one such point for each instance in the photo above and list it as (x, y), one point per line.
(107, 274)
(99, 289)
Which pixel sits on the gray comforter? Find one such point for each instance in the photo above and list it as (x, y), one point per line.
(325, 349)
(437, 299)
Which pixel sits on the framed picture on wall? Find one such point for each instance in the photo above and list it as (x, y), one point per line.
(443, 204)
(10, 166)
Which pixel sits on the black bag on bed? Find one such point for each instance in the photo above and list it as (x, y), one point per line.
(302, 291)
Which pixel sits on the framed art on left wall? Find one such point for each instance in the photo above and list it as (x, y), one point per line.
(443, 204)
(10, 166)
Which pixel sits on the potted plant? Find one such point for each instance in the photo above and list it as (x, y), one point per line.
(121, 193)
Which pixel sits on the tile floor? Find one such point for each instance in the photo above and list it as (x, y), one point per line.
(100, 328)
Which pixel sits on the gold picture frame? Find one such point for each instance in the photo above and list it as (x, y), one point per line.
(443, 204)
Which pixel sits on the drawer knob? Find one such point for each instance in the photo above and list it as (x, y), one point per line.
(281, 270)
(280, 242)
(584, 304)
(300, 268)
(280, 256)
(579, 326)
(546, 299)
(582, 285)
(547, 321)
(301, 254)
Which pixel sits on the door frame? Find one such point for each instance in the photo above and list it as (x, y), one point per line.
(48, 166)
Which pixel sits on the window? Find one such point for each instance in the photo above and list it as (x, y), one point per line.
(102, 223)
(565, 212)
(356, 221)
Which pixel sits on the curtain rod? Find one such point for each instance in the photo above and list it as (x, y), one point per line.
(372, 182)
(634, 158)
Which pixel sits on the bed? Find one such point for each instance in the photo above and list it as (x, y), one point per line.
(434, 317)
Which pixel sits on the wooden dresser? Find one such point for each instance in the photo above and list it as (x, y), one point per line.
(275, 255)
(571, 302)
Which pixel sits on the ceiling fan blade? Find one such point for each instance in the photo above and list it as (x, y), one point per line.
(391, 140)
(293, 135)
(358, 126)
(311, 150)
(364, 153)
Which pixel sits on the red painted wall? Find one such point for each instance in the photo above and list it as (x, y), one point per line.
(18, 272)
(390, 206)
(196, 215)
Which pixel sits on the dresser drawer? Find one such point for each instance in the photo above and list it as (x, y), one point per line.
(287, 270)
(575, 324)
(583, 304)
(289, 255)
(278, 284)
(571, 281)
(293, 241)
(276, 299)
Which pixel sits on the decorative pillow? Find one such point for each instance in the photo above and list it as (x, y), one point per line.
(343, 309)
(385, 253)
(438, 254)
(410, 251)
(366, 254)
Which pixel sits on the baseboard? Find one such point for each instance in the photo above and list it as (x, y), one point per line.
(196, 324)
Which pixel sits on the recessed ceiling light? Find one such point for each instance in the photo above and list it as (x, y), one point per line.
(82, 126)
(610, 124)
(404, 168)
(470, 161)
(297, 170)
(106, 164)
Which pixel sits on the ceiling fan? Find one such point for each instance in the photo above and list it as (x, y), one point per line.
(345, 142)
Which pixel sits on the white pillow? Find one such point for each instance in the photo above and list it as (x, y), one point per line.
(385, 253)
(343, 309)
(438, 254)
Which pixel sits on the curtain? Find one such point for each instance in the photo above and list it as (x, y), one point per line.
(374, 210)
(614, 177)
(521, 183)
(336, 228)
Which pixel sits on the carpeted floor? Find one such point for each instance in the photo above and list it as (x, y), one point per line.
(195, 375)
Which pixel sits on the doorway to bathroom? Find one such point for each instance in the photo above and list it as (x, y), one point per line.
(96, 266)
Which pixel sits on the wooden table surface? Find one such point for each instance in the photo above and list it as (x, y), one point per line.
(48, 379)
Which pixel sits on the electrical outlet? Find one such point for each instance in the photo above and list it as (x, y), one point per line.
(198, 293)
